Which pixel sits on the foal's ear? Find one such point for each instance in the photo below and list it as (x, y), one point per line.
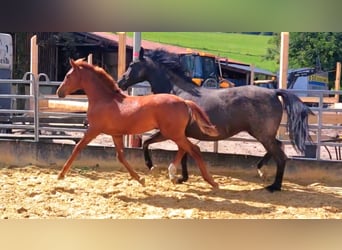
(72, 63)
(141, 53)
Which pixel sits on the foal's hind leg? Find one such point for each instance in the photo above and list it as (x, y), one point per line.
(195, 152)
(180, 156)
(119, 146)
(158, 137)
(173, 166)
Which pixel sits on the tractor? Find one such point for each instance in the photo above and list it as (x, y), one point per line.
(204, 69)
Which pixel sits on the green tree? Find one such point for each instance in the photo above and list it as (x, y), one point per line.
(306, 49)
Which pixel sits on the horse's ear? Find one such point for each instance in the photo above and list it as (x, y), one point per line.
(141, 53)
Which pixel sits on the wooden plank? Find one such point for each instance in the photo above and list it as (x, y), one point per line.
(330, 118)
(66, 106)
(315, 99)
(61, 105)
(285, 137)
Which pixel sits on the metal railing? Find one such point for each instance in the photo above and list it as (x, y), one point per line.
(29, 118)
(36, 121)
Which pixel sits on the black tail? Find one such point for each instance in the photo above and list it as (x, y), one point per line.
(297, 120)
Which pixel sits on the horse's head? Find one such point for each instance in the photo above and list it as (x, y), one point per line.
(135, 73)
(71, 82)
(149, 69)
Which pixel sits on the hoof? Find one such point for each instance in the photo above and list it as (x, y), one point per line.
(174, 180)
(60, 177)
(215, 185)
(155, 171)
(261, 174)
(273, 188)
(142, 181)
(180, 181)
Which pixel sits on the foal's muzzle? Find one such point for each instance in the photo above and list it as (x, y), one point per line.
(60, 93)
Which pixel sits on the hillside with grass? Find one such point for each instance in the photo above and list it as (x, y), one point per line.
(241, 47)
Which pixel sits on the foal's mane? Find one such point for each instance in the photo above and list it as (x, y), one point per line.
(102, 74)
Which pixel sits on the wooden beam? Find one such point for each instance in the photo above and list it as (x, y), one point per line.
(338, 80)
(252, 74)
(284, 59)
(34, 56)
(90, 59)
(122, 54)
(315, 99)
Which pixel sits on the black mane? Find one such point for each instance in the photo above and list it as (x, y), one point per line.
(168, 60)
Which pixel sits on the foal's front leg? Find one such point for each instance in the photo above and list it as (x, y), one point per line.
(119, 146)
(88, 136)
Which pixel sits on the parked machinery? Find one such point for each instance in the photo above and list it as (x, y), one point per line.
(204, 69)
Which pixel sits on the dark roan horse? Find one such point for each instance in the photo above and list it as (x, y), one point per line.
(112, 112)
(253, 109)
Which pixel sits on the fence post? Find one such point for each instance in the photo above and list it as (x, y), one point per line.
(319, 122)
(35, 83)
(338, 81)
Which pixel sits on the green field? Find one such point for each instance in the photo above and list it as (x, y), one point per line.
(241, 47)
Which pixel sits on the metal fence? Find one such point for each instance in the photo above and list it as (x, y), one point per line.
(26, 119)
(30, 117)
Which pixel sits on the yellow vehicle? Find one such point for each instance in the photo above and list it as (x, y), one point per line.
(204, 69)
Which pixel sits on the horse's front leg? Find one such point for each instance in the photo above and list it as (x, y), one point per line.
(119, 146)
(185, 174)
(157, 137)
(88, 136)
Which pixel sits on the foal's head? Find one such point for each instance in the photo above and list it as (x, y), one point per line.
(77, 79)
(72, 80)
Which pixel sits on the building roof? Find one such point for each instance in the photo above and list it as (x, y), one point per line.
(113, 39)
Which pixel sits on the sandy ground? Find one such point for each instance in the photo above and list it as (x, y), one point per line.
(32, 192)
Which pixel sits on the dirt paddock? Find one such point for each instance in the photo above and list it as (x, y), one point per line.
(33, 192)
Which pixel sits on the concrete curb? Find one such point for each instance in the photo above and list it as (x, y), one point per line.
(44, 154)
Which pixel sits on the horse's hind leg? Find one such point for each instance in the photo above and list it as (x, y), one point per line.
(265, 159)
(185, 174)
(118, 141)
(275, 148)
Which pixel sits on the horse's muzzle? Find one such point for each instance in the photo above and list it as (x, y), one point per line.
(121, 83)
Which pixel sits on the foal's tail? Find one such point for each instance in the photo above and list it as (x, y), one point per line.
(199, 116)
(297, 120)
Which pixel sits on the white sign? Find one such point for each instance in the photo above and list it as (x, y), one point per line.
(6, 51)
